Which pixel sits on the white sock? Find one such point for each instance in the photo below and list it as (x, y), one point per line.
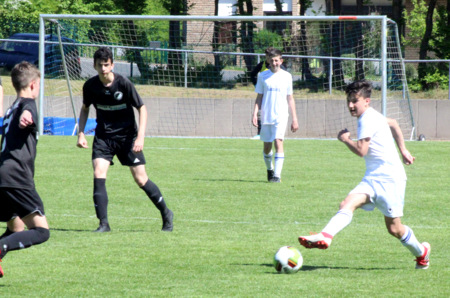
(279, 160)
(338, 222)
(268, 160)
(410, 241)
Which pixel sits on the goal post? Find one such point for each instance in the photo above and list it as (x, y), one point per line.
(194, 73)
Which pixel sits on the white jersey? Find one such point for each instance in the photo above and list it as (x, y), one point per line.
(275, 88)
(382, 159)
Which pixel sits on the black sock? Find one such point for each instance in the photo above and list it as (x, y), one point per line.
(23, 239)
(101, 200)
(6, 233)
(155, 195)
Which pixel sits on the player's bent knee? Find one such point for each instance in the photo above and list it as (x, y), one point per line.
(140, 182)
(43, 235)
(395, 231)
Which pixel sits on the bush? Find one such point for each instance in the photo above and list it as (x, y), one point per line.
(410, 72)
(436, 80)
(265, 38)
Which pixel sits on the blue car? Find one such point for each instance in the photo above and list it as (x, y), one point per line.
(13, 52)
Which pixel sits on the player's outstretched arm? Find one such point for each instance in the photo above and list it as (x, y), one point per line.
(25, 119)
(84, 112)
(398, 137)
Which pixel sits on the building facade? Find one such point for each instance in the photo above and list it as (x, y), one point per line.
(292, 7)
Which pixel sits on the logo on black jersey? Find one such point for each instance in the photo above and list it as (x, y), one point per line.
(118, 95)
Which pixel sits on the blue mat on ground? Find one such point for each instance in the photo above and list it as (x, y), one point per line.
(59, 126)
(66, 126)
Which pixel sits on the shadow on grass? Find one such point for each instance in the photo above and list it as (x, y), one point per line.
(92, 230)
(69, 230)
(313, 268)
(233, 180)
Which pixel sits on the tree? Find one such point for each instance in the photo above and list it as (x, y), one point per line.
(246, 30)
(130, 7)
(397, 9)
(215, 39)
(23, 16)
(359, 65)
(336, 41)
(430, 32)
(306, 70)
(176, 36)
(424, 45)
(419, 21)
(441, 38)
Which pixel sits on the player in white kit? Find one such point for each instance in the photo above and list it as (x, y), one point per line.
(274, 99)
(384, 182)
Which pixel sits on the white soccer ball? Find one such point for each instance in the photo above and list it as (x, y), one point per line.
(288, 259)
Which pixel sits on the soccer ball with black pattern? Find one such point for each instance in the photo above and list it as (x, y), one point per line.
(288, 260)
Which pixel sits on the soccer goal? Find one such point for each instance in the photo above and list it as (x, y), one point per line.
(194, 73)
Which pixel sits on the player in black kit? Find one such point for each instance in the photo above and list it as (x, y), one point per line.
(114, 98)
(20, 204)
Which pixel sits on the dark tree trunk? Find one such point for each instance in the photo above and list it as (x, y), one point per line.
(336, 45)
(306, 69)
(397, 9)
(246, 30)
(143, 67)
(215, 39)
(424, 45)
(359, 65)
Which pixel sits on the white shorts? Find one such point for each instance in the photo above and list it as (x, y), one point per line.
(270, 132)
(387, 196)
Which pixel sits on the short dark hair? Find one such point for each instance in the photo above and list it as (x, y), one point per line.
(23, 74)
(272, 52)
(103, 54)
(362, 88)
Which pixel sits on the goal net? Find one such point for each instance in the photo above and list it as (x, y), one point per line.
(195, 73)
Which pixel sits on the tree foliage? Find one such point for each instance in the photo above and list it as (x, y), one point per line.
(429, 31)
(23, 16)
(416, 23)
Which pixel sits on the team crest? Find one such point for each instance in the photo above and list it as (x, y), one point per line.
(118, 95)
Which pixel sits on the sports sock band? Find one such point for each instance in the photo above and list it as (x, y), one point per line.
(279, 160)
(410, 241)
(268, 160)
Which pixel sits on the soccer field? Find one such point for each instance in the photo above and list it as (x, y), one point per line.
(228, 224)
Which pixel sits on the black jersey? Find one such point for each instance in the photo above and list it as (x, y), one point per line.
(18, 146)
(114, 105)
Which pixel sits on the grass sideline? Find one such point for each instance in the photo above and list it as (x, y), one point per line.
(229, 222)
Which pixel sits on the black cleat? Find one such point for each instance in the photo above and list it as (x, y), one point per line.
(275, 180)
(167, 221)
(103, 227)
(270, 175)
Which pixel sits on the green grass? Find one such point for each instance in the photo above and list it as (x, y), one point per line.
(229, 223)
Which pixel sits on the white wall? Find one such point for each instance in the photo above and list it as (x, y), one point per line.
(227, 8)
(269, 5)
(318, 8)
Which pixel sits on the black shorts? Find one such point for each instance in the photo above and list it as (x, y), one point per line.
(19, 202)
(107, 148)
